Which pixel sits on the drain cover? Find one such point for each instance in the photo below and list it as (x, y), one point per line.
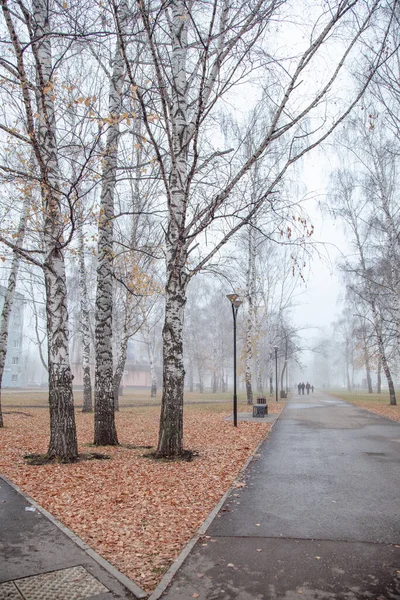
(8, 591)
(74, 583)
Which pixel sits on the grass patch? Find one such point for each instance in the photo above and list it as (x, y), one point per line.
(129, 399)
(362, 397)
(379, 404)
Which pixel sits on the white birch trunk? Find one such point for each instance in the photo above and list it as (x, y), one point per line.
(260, 390)
(382, 352)
(367, 361)
(39, 338)
(282, 378)
(378, 377)
(383, 358)
(63, 441)
(119, 371)
(271, 374)
(201, 377)
(224, 381)
(347, 361)
(105, 432)
(9, 297)
(377, 320)
(150, 350)
(191, 378)
(284, 370)
(84, 324)
(249, 358)
(170, 442)
(214, 375)
(250, 315)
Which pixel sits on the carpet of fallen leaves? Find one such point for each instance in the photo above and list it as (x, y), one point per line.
(136, 512)
(385, 410)
(376, 403)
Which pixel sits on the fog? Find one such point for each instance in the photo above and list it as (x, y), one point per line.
(139, 193)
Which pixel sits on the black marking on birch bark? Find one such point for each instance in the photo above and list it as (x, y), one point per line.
(171, 420)
(63, 442)
(105, 431)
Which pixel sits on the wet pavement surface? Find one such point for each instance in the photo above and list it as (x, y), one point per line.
(317, 519)
(38, 561)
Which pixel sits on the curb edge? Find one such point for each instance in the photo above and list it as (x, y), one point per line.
(178, 562)
(123, 579)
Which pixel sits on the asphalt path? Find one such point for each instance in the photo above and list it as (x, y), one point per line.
(318, 517)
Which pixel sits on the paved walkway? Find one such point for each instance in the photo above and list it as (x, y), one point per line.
(318, 518)
(39, 561)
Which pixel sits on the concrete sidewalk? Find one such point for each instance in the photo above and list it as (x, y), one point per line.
(42, 560)
(318, 518)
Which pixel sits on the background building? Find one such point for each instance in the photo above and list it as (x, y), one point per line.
(12, 376)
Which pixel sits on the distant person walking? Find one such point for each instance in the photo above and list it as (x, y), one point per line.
(312, 389)
(308, 387)
(299, 388)
(302, 388)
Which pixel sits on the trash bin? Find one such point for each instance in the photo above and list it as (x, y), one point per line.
(260, 410)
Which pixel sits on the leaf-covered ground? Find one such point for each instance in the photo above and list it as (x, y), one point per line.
(376, 403)
(136, 512)
(385, 410)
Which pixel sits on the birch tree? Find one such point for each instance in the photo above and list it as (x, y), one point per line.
(250, 296)
(199, 53)
(105, 432)
(10, 293)
(149, 337)
(367, 199)
(42, 139)
(353, 210)
(363, 331)
(36, 119)
(84, 321)
(375, 150)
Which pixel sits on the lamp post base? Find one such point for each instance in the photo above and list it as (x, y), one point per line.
(235, 410)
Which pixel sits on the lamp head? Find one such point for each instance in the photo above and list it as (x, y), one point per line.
(235, 300)
(232, 297)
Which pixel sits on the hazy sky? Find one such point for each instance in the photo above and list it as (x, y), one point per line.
(318, 303)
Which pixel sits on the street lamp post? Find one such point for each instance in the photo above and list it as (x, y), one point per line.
(271, 375)
(276, 372)
(287, 375)
(235, 302)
